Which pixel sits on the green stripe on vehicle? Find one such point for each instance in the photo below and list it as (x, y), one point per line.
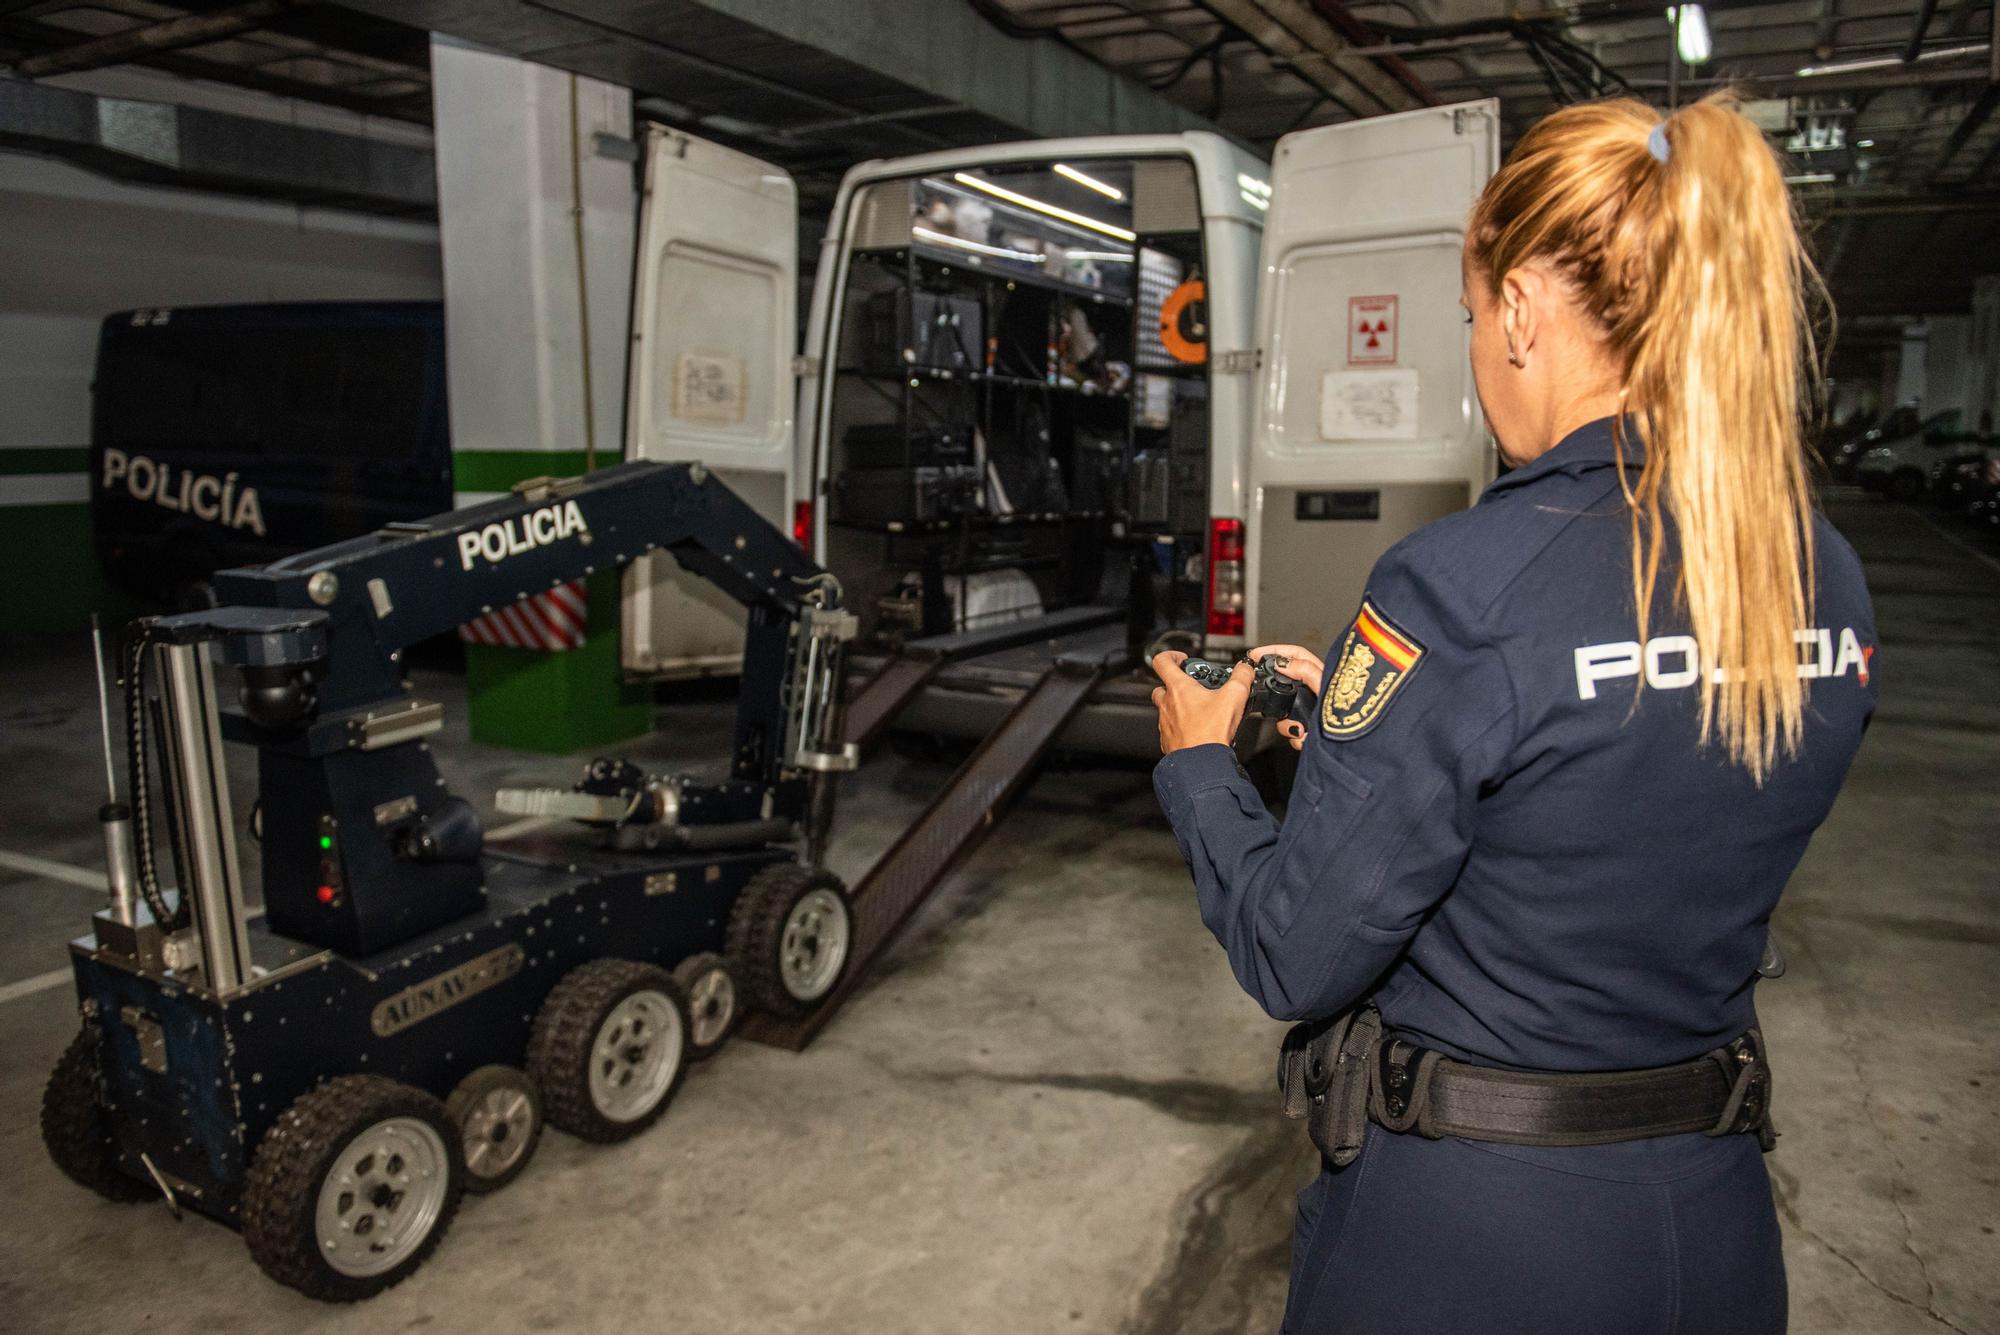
(497, 470)
(45, 459)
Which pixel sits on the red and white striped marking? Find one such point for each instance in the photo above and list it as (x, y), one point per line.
(553, 621)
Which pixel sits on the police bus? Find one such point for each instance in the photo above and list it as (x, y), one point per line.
(233, 435)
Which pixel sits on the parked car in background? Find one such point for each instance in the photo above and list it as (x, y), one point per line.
(234, 435)
(1844, 453)
(1983, 504)
(1901, 465)
(1958, 479)
(1834, 442)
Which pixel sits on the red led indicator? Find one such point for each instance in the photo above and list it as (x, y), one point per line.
(326, 894)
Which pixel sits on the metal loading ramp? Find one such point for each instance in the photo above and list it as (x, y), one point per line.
(969, 805)
(897, 682)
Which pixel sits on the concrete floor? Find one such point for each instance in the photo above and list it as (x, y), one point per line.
(1052, 1111)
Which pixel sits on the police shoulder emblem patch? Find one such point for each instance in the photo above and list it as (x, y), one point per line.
(1376, 658)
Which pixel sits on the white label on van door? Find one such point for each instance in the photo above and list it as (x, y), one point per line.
(1368, 405)
(709, 387)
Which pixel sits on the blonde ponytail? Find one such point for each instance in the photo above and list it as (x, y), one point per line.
(1678, 237)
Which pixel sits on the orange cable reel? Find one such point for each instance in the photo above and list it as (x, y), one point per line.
(1184, 322)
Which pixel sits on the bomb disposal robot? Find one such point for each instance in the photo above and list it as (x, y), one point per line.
(411, 1004)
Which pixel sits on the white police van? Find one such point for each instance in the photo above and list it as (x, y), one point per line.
(1154, 375)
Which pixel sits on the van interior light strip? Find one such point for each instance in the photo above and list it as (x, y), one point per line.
(941, 239)
(1040, 206)
(1105, 188)
(1110, 256)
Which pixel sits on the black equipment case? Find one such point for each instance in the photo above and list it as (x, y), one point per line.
(923, 329)
(906, 495)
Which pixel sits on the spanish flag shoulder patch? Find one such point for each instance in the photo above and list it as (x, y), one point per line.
(1376, 658)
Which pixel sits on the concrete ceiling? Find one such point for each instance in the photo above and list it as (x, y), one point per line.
(1886, 105)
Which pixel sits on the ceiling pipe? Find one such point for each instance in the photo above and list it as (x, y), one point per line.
(152, 39)
(1924, 206)
(1975, 117)
(1925, 12)
(1358, 33)
(1278, 42)
(1302, 21)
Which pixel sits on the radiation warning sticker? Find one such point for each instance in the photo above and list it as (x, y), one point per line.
(1376, 659)
(1371, 331)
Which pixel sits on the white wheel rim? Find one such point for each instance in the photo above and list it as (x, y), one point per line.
(711, 1005)
(497, 1131)
(635, 1056)
(382, 1197)
(814, 946)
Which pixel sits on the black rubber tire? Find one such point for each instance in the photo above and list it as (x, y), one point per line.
(281, 1190)
(465, 1099)
(76, 1131)
(688, 974)
(565, 1031)
(757, 934)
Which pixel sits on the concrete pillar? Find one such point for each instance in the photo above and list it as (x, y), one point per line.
(1983, 354)
(536, 204)
(1945, 364)
(1910, 377)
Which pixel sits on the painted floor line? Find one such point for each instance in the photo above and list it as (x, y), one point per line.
(41, 982)
(1954, 539)
(55, 871)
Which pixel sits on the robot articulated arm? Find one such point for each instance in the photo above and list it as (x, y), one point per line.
(363, 845)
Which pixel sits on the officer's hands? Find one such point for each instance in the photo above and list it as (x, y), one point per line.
(1190, 713)
(1303, 666)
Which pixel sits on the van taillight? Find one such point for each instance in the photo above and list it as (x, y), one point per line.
(1225, 577)
(802, 524)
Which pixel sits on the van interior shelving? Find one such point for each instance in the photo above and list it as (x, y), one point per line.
(1009, 434)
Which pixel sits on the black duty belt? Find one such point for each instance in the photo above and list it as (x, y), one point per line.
(1340, 1074)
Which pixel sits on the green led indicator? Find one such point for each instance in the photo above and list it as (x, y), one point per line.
(326, 841)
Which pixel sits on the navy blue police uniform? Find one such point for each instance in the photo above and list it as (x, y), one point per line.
(1505, 833)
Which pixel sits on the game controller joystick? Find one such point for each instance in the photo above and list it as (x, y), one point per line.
(1272, 693)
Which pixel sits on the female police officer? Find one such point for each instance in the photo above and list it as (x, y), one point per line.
(1567, 753)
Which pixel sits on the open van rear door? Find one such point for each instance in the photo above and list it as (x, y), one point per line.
(714, 310)
(1365, 425)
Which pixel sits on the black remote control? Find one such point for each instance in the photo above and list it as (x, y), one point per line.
(1211, 675)
(1272, 693)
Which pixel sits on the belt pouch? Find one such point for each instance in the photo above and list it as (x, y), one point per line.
(1323, 1076)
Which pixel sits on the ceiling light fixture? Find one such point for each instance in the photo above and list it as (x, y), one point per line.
(1691, 33)
(1811, 178)
(1105, 188)
(1884, 62)
(1026, 202)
